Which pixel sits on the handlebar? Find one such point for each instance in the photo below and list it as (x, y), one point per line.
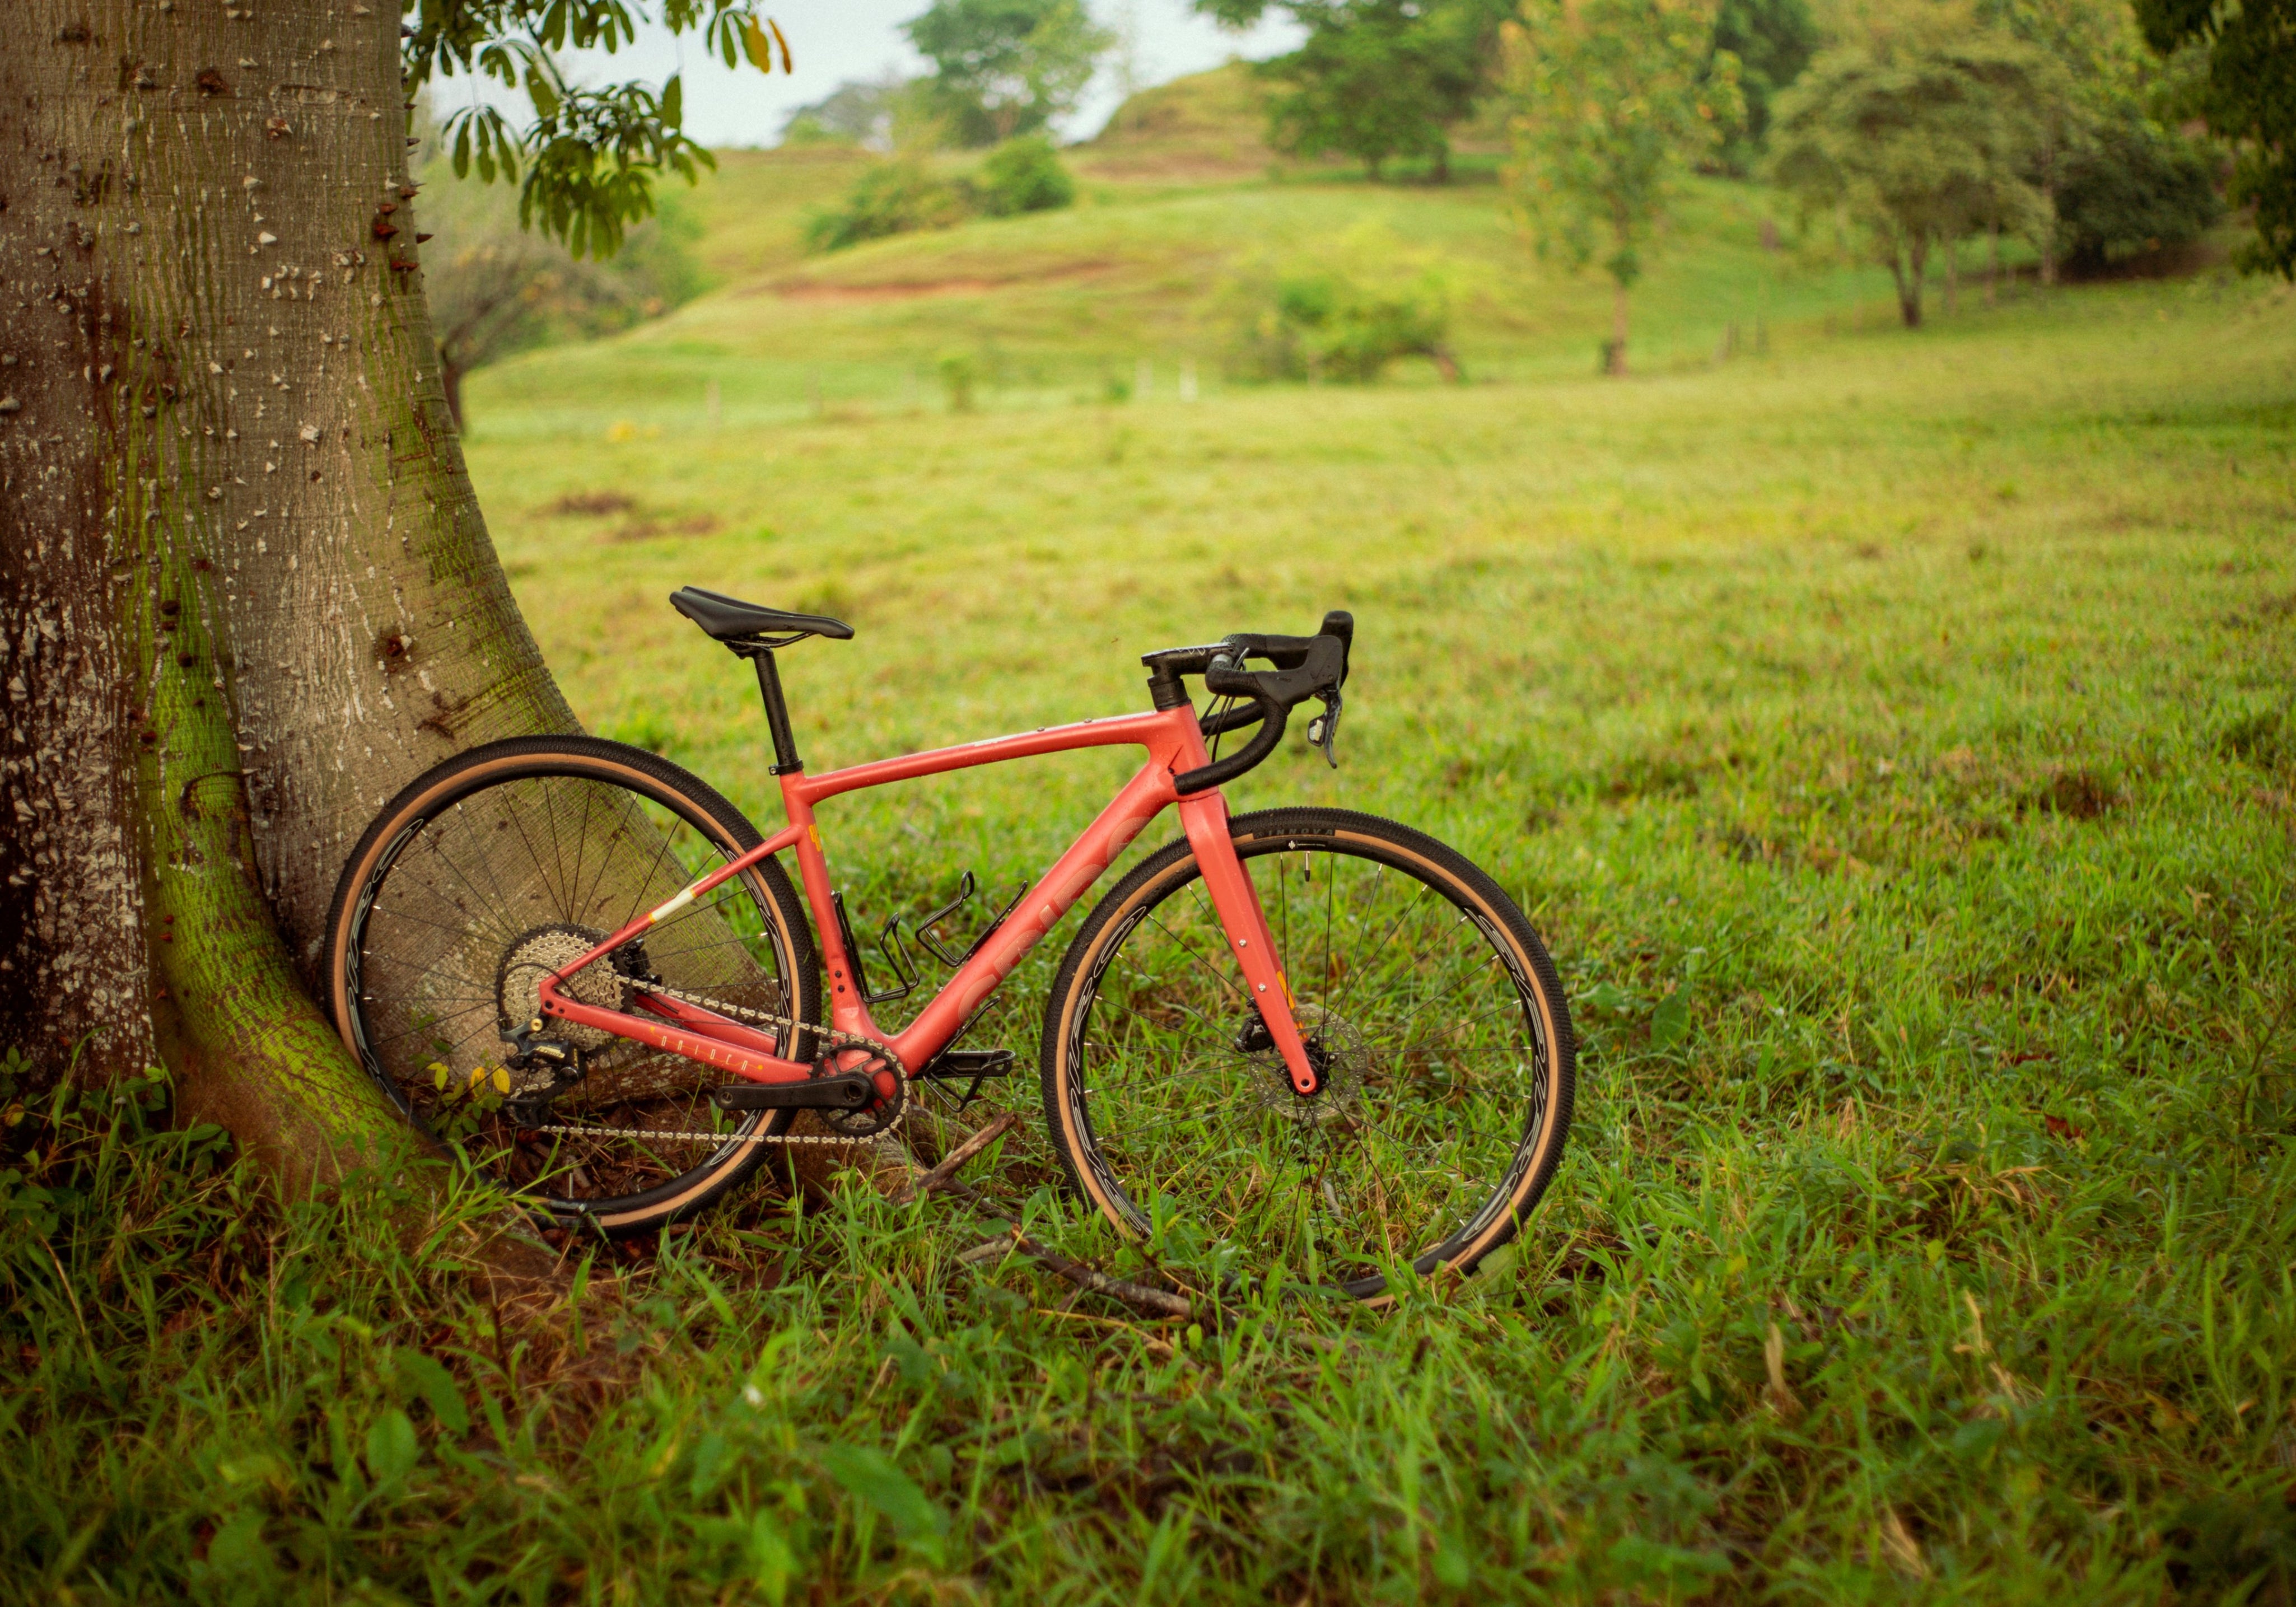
(1305, 667)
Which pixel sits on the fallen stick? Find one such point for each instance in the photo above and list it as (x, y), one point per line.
(955, 1160)
(943, 1180)
(1152, 1302)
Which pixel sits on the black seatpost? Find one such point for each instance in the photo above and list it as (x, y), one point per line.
(769, 687)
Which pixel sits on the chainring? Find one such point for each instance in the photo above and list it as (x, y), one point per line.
(877, 1116)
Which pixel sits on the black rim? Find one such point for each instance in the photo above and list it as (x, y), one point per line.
(1498, 1186)
(719, 838)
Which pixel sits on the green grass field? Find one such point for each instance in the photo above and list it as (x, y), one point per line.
(1914, 707)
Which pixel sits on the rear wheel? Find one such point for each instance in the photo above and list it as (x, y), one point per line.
(504, 864)
(1427, 1003)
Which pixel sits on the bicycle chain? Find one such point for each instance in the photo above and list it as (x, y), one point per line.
(837, 1039)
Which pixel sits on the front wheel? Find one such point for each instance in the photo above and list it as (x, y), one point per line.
(1433, 1013)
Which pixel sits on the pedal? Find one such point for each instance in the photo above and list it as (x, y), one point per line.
(971, 1067)
(848, 1090)
(969, 1064)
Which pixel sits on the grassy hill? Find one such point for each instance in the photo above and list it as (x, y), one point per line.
(1152, 266)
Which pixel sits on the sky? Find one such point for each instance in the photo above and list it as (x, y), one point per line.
(831, 42)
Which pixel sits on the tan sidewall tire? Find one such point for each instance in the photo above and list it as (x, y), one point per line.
(1112, 921)
(648, 776)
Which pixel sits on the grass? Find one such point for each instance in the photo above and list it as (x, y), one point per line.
(1050, 307)
(1915, 708)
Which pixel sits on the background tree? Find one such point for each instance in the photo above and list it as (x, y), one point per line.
(1006, 67)
(1612, 100)
(1375, 79)
(1023, 174)
(1772, 40)
(2117, 172)
(856, 112)
(1916, 135)
(496, 288)
(249, 592)
(2134, 187)
(2248, 98)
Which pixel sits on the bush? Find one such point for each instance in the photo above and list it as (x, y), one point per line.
(1326, 326)
(893, 197)
(2140, 188)
(1024, 175)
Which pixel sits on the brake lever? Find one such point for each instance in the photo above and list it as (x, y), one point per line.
(1324, 730)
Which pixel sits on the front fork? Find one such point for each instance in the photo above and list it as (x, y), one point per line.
(1237, 901)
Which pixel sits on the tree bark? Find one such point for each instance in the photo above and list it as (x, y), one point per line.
(1617, 363)
(1910, 267)
(247, 592)
(2049, 234)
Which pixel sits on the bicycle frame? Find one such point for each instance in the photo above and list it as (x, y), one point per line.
(1174, 743)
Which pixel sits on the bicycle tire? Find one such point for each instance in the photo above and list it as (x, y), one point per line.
(591, 900)
(1090, 1094)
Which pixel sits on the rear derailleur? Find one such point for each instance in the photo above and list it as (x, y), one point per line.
(541, 1069)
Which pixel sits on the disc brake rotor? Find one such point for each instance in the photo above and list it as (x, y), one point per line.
(1335, 1049)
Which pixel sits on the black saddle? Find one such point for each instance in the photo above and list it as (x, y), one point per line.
(731, 619)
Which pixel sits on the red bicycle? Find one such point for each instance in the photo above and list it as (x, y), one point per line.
(1301, 1035)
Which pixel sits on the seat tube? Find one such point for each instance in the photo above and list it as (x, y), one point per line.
(1250, 942)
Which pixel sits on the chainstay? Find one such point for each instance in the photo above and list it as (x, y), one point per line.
(791, 1026)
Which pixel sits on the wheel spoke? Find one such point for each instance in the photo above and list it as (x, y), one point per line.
(1425, 1095)
(509, 876)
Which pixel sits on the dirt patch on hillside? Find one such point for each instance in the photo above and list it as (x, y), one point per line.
(910, 290)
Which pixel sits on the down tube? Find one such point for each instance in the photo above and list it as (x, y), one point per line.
(1144, 798)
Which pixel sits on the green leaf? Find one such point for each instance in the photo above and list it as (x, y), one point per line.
(868, 1474)
(1670, 1021)
(1453, 1567)
(773, 1562)
(672, 102)
(238, 1550)
(539, 91)
(462, 151)
(1976, 1436)
(757, 45)
(1606, 996)
(391, 1448)
(421, 1376)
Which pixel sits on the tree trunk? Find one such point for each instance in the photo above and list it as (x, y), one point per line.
(450, 386)
(248, 592)
(2048, 239)
(1617, 364)
(1909, 269)
(1952, 275)
(1992, 259)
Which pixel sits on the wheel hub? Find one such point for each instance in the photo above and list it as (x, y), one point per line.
(1335, 1049)
(536, 955)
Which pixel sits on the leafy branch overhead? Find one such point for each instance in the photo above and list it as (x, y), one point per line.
(586, 161)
